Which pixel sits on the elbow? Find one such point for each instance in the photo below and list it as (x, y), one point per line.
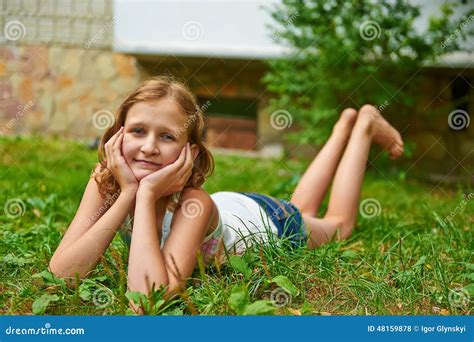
(64, 273)
(54, 269)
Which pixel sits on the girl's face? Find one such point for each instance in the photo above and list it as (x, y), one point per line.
(154, 131)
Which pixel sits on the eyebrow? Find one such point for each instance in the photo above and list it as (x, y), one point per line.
(141, 123)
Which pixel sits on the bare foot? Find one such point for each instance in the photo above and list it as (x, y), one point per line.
(346, 122)
(384, 134)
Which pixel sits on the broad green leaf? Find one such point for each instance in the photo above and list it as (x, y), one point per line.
(286, 284)
(49, 278)
(350, 254)
(84, 292)
(420, 261)
(139, 299)
(260, 307)
(239, 298)
(15, 260)
(240, 265)
(41, 304)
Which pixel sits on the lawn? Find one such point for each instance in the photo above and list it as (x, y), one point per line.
(404, 258)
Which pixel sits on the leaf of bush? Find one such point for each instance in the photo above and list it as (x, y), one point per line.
(139, 299)
(84, 292)
(260, 307)
(40, 304)
(239, 298)
(420, 261)
(286, 284)
(349, 254)
(240, 265)
(49, 278)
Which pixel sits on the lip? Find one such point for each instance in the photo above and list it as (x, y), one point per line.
(146, 163)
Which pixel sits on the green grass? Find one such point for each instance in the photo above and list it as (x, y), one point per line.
(403, 261)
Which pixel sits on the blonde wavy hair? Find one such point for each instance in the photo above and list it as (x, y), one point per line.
(153, 89)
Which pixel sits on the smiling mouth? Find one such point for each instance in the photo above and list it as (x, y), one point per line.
(146, 163)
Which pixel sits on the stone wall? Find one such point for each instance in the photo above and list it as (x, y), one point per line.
(57, 90)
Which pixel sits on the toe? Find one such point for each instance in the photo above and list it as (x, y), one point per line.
(349, 114)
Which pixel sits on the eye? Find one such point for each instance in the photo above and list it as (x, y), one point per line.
(137, 130)
(168, 137)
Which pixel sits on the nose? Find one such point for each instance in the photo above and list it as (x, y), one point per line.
(150, 146)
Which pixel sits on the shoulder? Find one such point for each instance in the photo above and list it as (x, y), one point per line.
(197, 195)
(190, 193)
(196, 200)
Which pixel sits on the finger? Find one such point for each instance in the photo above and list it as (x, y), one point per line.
(112, 147)
(187, 164)
(117, 136)
(180, 161)
(117, 147)
(188, 153)
(186, 174)
(114, 137)
(190, 156)
(109, 144)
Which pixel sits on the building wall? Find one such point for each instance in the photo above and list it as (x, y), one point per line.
(442, 153)
(57, 90)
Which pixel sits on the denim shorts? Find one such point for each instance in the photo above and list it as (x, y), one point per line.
(286, 217)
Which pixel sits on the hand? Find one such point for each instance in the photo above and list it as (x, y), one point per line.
(170, 179)
(117, 165)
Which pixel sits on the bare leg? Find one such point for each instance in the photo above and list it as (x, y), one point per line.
(345, 193)
(313, 185)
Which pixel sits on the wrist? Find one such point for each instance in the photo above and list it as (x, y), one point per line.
(129, 190)
(146, 193)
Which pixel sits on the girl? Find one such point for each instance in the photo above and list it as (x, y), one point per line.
(152, 165)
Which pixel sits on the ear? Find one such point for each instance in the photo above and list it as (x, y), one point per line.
(194, 151)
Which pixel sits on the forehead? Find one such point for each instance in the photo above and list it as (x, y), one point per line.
(162, 113)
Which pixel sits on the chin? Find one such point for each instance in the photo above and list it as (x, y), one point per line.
(140, 174)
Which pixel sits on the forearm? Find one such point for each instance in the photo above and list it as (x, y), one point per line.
(84, 254)
(146, 263)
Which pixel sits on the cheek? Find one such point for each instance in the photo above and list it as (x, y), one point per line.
(128, 148)
(170, 153)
